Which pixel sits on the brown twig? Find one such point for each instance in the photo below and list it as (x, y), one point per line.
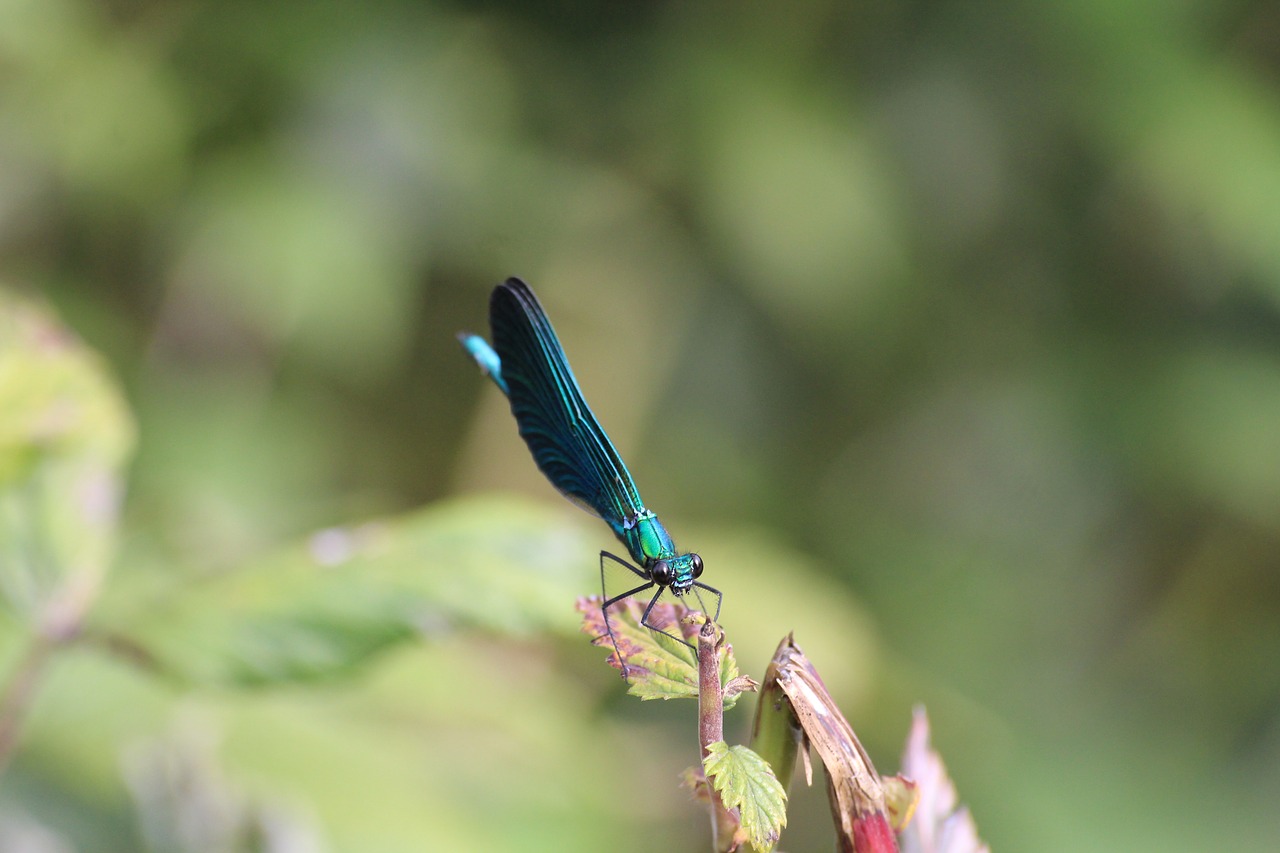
(724, 825)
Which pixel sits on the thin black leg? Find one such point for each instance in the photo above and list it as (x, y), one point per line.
(604, 608)
(609, 602)
(702, 605)
(719, 598)
(621, 562)
(644, 621)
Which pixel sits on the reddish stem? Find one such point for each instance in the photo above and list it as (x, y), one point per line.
(711, 730)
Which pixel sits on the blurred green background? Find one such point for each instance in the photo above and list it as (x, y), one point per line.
(947, 333)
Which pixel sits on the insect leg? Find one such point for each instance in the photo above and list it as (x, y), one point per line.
(609, 602)
(637, 571)
(719, 598)
(644, 620)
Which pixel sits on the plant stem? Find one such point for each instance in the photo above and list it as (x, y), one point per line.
(711, 730)
(16, 695)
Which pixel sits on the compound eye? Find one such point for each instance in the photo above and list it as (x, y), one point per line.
(697, 565)
(661, 573)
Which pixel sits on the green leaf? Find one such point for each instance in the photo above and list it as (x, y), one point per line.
(658, 666)
(65, 436)
(745, 782)
(324, 607)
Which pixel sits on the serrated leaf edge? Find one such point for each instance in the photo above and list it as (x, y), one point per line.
(757, 775)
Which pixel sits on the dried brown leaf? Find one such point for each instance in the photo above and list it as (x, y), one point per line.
(855, 789)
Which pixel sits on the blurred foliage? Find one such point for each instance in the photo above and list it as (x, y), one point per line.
(949, 333)
(938, 820)
(64, 436)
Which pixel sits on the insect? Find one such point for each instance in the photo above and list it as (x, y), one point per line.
(572, 450)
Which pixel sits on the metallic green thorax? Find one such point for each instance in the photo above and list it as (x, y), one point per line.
(648, 541)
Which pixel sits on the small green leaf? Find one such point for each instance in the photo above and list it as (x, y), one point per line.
(658, 666)
(745, 782)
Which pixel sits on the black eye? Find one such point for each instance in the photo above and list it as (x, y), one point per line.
(697, 565)
(661, 573)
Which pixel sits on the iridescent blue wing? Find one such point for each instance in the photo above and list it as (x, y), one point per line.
(566, 440)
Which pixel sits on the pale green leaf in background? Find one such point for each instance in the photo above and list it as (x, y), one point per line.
(323, 607)
(65, 436)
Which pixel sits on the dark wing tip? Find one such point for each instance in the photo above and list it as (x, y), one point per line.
(514, 295)
(514, 286)
(511, 289)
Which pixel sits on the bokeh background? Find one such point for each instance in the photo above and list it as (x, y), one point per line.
(948, 333)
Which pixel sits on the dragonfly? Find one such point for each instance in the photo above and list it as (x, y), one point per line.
(573, 451)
